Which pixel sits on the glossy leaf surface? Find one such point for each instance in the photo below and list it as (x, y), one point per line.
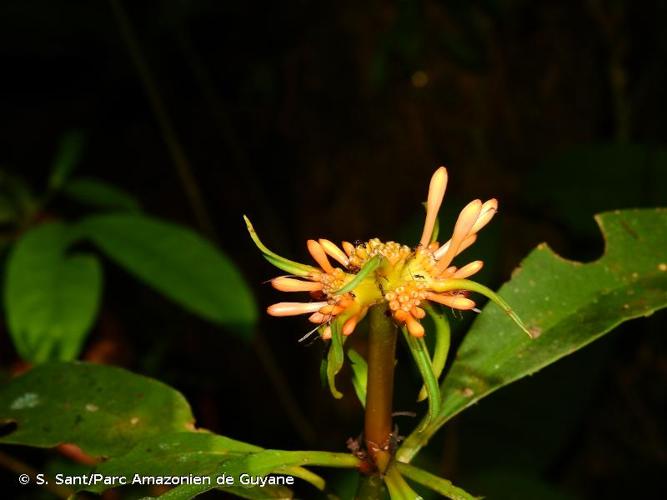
(565, 305)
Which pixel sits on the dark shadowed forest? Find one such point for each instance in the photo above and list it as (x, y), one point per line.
(327, 120)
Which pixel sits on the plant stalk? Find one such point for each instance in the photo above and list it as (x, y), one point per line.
(378, 424)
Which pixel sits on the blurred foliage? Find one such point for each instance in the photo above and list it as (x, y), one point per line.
(51, 298)
(179, 263)
(52, 291)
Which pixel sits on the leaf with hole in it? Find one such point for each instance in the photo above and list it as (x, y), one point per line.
(51, 298)
(103, 409)
(100, 194)
(565, 304)
(178, 263)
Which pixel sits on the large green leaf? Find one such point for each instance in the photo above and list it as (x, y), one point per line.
(207, 455)
(97, 193)
(51, 298)
(103, 409)
(178, 263)
(188, 454)
(565, 304)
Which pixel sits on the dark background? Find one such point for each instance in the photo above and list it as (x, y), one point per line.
(326, 119)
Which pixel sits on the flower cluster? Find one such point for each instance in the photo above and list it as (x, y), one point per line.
(349, 279)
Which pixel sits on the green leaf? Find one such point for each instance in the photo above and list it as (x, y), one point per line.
(103, 409)
(335, 357)
(178, 263)
(368, 268)
(207, 455)
(442, 342)
(97, 193)
(565, 304)
(51, 298)
(437, 484)
(423, 361)
(67, 157)
(359, 375)
(259, 464)
(201, 454)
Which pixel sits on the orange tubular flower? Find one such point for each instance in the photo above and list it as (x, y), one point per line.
(347, 281)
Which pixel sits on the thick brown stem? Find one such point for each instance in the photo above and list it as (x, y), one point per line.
(380, 386)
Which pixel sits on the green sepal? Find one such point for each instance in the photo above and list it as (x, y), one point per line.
(423, 361)
(472, 286)
(367, 268)
(359, 374)
(335, 357)
(442, 343)
(282, 263)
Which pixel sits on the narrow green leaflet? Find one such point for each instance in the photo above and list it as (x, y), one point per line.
(442, 341)
(103, 409)
(565, 305)
(359, 375)
(51, 297)
(398, 487)
(367, 269)
(270, 460)
(423, 361)
(335, 357)
(473, 286)
(100, 194)
(437, 484)
(282, 263)
(178, 263)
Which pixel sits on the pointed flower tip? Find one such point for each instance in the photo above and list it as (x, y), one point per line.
(248, 224)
